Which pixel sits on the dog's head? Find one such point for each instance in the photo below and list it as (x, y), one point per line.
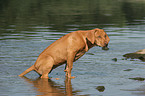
(98, 37)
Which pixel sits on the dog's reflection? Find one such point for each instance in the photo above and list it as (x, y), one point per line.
(47, 87)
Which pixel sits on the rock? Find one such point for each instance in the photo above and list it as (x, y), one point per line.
(114, 59)
(90, 53)
(140, 51)
(128, 70)
(138, 78)
(136, 55)
(105, 48)
(142, 58)
(100, 88)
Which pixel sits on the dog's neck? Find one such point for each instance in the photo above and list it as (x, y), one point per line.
(90, 45)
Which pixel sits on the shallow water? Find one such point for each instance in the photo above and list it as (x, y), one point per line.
(27, 28)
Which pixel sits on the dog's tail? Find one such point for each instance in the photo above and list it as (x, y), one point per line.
(27, 71)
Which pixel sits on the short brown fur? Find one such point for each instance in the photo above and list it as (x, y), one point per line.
(68, 49)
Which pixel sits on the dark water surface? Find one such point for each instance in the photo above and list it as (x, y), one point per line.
(27, 27)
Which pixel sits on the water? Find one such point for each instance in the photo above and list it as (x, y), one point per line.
(28, 27)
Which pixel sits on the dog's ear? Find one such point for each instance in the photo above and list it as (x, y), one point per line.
(91, 36)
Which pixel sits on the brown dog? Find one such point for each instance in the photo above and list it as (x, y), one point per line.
(68, 49)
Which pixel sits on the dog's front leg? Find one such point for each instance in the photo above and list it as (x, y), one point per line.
(69, 65)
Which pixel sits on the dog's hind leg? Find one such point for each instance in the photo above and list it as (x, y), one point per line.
(47, 67)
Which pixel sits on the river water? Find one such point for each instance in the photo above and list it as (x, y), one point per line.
(28, 27)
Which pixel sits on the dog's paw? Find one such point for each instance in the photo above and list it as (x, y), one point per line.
(65, 70)
(72, 77)
(45, 77)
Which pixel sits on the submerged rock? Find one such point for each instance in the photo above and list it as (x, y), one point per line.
(128, 70)
(90, 53)
(114, 59)
(138, 78)
(100, 88)
(136, 55)
(105, 48)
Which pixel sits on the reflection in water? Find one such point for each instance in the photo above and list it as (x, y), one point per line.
(63, 14)
(47, 87)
